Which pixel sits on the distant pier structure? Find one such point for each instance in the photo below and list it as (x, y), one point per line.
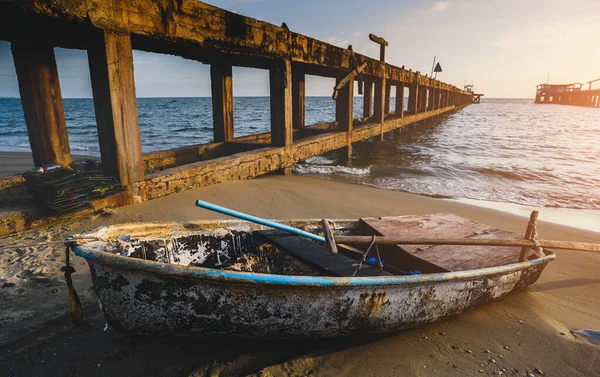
(109, 31)
(476, 97)
(568, 94)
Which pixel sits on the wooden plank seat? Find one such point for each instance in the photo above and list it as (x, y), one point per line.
(450, 258)
(318, 256)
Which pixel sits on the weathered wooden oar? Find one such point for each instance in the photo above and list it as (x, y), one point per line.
(550, 244)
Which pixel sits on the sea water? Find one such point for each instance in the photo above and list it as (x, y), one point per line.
(504, 150)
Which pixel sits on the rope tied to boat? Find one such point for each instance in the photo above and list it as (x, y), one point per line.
(364, 257)
(75, 307)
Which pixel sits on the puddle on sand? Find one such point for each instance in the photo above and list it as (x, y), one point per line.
(591, 335)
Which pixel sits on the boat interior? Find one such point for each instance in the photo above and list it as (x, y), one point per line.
(263, 250)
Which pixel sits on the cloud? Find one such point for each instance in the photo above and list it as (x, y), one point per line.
(337, 40)
(438, 5)
(558, 35)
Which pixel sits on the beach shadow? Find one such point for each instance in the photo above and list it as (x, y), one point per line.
(551, 286)
(59, 348)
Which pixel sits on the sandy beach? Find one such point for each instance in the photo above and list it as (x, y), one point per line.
(14, 163)
(299, 110)
(528, 330)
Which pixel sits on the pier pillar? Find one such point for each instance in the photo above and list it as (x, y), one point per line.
(298, 98)
(344, 108)
(379, 109)
(431, 99)
(368, 99)
(413, 99)
(399, 107)
(378, 102)
(280, 82)
(222, 101)
(423, 100)
(111, 70)
(287, 171)
(41, 99)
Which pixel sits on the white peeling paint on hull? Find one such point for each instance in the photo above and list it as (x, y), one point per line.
(145, 303)
(145, 297)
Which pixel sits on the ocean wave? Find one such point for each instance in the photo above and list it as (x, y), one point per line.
(330, 169)
(75, 147)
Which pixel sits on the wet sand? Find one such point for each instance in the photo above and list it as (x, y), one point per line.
(13, 163)
(534, 325)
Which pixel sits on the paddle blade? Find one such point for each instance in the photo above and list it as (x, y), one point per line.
(75, 308)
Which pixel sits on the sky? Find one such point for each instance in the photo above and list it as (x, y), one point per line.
(504, 48)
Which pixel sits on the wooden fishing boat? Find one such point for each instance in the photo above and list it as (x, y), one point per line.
(241, 279)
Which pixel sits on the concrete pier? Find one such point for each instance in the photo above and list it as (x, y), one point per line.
(110, 31)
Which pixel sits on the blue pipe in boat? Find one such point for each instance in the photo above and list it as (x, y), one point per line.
(258, 220)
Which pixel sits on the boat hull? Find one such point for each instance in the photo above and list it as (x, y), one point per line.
(149, 298)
